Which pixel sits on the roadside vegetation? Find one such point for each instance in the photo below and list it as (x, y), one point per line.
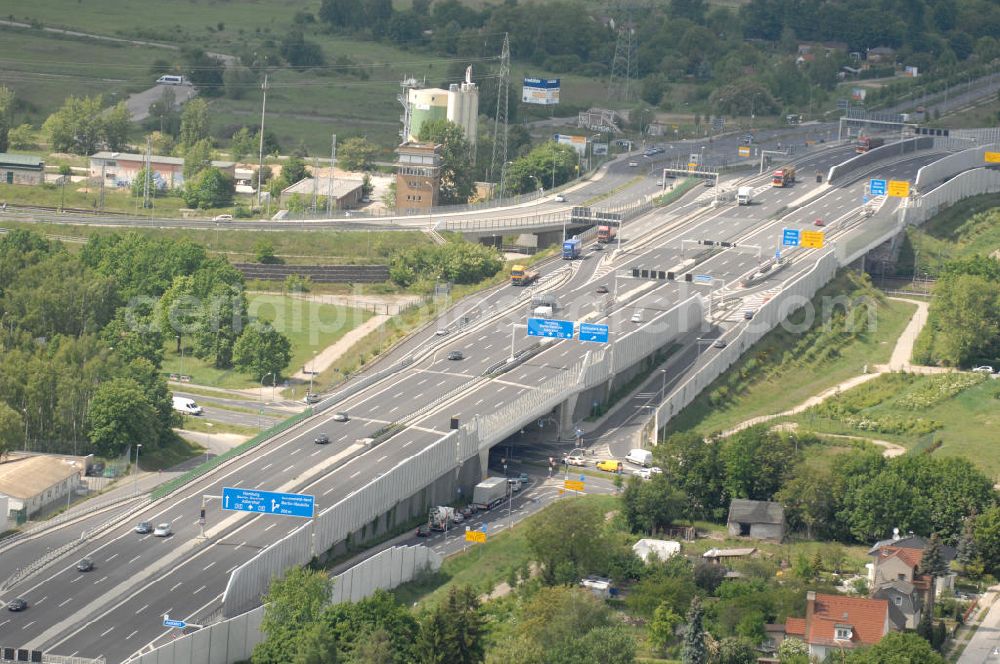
(787, 367)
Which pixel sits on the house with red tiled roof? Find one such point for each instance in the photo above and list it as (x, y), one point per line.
(835, 622)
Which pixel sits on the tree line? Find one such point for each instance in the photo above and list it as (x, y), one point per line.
(83, 337)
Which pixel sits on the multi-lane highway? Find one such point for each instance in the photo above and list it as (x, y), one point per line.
(118, 607)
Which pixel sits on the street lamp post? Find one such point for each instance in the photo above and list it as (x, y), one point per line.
(312, 372)
(135, 473)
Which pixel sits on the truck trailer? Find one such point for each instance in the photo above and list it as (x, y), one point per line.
(744, 195)
(606, 234)
(783, 176)
(522, 276)
(489, 493)
(866, 143)
(572, 248)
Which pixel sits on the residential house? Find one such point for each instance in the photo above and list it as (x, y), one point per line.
(21, 169)
(881, 55)
(899, 558)
(835, 623)
(758, 519)
(905, 603)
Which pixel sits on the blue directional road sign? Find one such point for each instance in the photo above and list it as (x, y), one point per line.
(876, 187)
(545, 327)
(790, 237)
(268, 502)
(594, 332)
(179, 624)
(703, 278)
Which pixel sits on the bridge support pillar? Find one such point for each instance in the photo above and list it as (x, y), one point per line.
(564, 416)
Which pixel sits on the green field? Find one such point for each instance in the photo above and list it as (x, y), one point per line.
(45, 69)
(901, 409)
(771, 378)
(310, 327)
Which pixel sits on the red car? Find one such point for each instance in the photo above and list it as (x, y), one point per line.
(819, 222)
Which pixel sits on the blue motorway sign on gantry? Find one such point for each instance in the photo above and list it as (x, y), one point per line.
(594, 332)
(268, 502)
(178, 624)
(545, 327)
(790, 237)
(876, 187)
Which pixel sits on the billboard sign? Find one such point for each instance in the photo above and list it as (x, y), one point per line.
(858, 94)
(599, 149)
(578, 143)
(543, 91)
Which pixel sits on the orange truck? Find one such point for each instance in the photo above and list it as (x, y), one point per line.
(606, 233)
(783, 176)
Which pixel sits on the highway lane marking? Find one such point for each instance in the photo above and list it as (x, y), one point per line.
(243, 543)
(343, 437)
(479, 402)
(356, 473)
(419, 383)
(259, 485)
(107, 631)
(30, 624)
(237, 483)
(146, 606)
(330, 490)
(111, 558)
(381, 459)
(79, 578)
(267, 466)
(131, 635)
(103, 578)
(314, 453)
(484, 337)
(41, 600)
(205, 568)
(409, 442)
(290, 466)
(269, 527)
(5, 622)
(199, 590)
(396, 396)
(65, 602)
(175, 587)
(394, 409)
(134, 559)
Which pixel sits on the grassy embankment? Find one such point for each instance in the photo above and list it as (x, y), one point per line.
(785, 368)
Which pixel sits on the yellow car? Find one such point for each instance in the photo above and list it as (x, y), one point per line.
(609, 466)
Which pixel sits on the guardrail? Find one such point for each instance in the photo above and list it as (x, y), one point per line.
(172, 485)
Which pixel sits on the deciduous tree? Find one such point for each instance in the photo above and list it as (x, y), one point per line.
(292, 606)
(194, 123)
(456, 161)
(357, 154)
(262, 350)
(120, 415)
(6, 116)
(568, 540)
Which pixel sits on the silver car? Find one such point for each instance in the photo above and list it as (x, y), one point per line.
(163, 530)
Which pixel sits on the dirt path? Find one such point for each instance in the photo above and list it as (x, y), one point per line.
(898, 361)
(326, 357)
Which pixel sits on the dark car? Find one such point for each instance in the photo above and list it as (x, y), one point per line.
(144, 528)
(467, 511)
(423, 531)
(17, 604)
(312, 398)
(85, 565)
(719, 343)
(322, 439)
(456, 355)
(602, 289)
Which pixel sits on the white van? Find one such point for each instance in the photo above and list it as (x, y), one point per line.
(170, 79)
(186, 406)
(639, 457)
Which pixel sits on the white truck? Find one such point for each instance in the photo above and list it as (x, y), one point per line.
(639, 457)
(744, 195)
(542, 312)
(441, 518)
(489, 493)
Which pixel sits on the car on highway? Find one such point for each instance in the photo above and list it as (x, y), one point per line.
(85, 565)
(598, 247)
(819, 222)
(575, 460)
(523, 477)
(341, 416)
(441, 331)
(602, 289)
(985, 369)
(423, 531)
(515, 483)
(17, 604)
(633, 164)
(748, 314)
(457, 517)
(637, 316)
(560, 198)
(456, 355)
(163, 530)
(467, 511)
(609, 465)
(222, 217)
(312, 398)
(144, 527)
(719, 343)
(322, 439)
